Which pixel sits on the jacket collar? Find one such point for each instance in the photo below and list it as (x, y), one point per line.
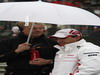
(75, 44)
(71, 46)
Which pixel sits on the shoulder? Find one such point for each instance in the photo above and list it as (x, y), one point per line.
(89, 49)
(90, 46)
(6, 40)
(10, 40)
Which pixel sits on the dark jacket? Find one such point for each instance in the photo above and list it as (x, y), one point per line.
(20, 62)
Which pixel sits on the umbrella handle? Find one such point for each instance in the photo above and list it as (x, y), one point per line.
(28, 39)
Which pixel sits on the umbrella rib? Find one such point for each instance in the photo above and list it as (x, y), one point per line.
(57, 14)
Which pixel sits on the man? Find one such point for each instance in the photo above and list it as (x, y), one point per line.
(22, 58)
(75, 55)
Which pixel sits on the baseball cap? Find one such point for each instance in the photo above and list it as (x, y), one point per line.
(63, 33)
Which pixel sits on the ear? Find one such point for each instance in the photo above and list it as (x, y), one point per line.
(78, 38)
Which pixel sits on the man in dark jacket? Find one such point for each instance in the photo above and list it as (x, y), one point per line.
(34, 58)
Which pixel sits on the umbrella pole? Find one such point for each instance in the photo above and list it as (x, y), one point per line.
(28, 39)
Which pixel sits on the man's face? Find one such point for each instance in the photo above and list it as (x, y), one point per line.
(37, 31)
(67, 40)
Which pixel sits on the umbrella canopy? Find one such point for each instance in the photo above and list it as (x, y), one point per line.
(44, 12)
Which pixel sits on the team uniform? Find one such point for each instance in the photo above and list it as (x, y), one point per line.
(78, 58)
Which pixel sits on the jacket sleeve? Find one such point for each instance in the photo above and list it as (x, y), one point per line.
(6, 51)
(89, 60)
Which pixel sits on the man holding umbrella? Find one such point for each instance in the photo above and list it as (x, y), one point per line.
(33, 58)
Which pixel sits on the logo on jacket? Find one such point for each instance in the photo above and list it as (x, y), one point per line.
(92, 53)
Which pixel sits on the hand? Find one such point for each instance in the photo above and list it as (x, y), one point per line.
(22, 47)
(40, 61)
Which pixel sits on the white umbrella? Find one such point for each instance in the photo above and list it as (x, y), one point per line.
(44, 12)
